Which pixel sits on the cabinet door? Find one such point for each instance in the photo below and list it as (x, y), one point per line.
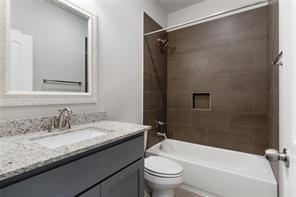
(126, 183)
(93, 192)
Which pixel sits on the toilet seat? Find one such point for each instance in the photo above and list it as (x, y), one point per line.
(162, 167)
(162, 175)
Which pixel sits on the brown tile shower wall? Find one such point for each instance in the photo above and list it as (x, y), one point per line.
(155, 79)
(226, 57)
(273, 77)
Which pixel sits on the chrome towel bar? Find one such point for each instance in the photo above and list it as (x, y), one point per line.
(50, 81)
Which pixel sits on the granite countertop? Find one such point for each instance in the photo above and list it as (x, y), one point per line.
(19, 154)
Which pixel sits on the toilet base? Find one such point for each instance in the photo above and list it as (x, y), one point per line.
(163, 193)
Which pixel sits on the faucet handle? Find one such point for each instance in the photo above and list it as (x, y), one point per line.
(52, 124)
(159, 123)
(160, 126)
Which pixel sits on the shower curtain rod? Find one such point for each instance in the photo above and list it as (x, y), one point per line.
(206, 17)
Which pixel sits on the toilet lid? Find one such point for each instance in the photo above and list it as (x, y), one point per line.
(162, 166)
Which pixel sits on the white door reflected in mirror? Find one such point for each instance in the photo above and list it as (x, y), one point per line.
(21, 61)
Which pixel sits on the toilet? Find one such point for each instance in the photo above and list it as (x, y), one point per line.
(162, 176)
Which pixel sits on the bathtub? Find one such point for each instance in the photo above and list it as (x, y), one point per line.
(216, 172)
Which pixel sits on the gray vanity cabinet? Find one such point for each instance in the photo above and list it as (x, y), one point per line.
(127, 183)
(93, 192)
(114, 171)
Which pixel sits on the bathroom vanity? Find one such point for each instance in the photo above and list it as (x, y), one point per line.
(110, 165)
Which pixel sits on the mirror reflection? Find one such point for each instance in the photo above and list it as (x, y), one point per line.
(48, 48)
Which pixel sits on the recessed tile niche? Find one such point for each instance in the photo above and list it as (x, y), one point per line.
(201, 101)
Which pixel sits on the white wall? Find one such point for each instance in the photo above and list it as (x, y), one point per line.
(205, 8)
(120, 73)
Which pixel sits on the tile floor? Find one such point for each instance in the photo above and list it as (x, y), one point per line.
(185, 193)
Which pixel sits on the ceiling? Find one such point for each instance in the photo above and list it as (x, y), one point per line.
(174, 5)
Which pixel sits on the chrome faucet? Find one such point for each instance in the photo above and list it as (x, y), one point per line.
(66, 112)
(160, 131)
(64, 120)
(161, 135)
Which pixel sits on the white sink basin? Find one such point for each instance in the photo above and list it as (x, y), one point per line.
(68, 138)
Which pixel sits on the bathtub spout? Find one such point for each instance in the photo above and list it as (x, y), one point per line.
(162, 135)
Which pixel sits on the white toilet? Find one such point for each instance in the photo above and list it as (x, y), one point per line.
(163, 176)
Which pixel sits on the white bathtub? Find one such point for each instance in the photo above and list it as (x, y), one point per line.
(217, 172)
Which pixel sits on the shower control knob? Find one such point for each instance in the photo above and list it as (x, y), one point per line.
(273, 155)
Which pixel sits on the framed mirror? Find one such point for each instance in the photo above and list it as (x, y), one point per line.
(48, 53)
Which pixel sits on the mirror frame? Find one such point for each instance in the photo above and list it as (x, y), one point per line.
(16, 98)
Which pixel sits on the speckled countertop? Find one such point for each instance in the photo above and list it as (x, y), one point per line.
(19, 154)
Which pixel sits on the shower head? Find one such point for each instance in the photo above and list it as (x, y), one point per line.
(163, 44)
